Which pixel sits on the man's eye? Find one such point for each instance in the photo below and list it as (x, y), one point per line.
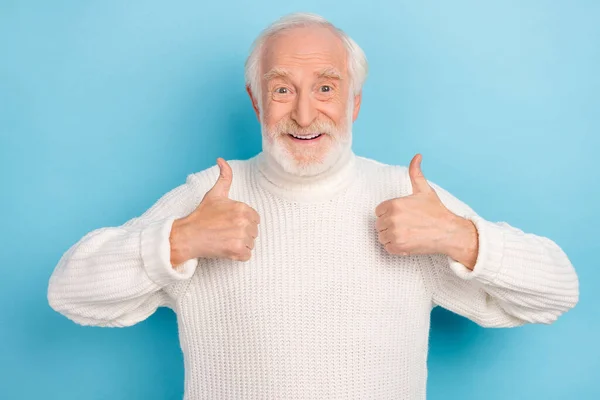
(325, 88)
(281, 90)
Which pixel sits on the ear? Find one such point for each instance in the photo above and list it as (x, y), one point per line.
(254, 102)
(357, 101)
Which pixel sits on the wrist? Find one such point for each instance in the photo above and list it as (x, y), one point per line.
(462, 242)
(180, 250)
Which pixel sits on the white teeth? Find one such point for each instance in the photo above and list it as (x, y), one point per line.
(306, 137)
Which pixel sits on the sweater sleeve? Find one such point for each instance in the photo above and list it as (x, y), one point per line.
(117, 276)
(518, 277)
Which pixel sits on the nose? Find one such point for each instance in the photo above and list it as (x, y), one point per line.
(304, 112)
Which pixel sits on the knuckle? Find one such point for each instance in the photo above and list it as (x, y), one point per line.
(389, 248)
(249, 215)
(243, 253)
(239, 208)
(251, 233)
(236, 248)
(240, 248)
(240, 221)
(394, 248)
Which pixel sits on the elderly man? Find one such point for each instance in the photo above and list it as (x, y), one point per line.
(307, 272)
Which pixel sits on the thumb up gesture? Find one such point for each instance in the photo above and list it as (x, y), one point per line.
(218, 228)
(415, 224)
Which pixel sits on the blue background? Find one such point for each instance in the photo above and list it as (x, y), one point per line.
(107, 105)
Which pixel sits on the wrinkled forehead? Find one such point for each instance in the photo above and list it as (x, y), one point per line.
(305, 48)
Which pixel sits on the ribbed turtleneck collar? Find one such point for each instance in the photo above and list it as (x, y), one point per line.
(272, 177)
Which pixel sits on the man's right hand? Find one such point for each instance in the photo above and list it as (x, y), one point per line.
(218, 228)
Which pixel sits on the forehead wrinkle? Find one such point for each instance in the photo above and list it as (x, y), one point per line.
(328, 72)
(328, 60)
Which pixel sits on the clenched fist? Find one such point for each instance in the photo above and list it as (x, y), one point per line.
(218, 228)
(418, 223)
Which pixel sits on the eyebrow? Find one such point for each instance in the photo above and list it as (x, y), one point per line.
(329, 73)
(276, 72)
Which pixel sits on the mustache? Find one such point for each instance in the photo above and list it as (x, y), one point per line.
(288, 125)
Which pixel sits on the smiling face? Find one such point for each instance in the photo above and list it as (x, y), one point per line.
(306, 103)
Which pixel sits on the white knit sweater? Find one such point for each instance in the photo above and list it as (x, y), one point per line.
(321, 310)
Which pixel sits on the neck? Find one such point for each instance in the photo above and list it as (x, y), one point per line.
(306, 188)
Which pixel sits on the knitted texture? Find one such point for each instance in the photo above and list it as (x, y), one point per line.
(321, 310)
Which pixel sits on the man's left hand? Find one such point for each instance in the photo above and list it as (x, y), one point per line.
(419, 223)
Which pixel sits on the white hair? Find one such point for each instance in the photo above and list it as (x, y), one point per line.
(357, 61)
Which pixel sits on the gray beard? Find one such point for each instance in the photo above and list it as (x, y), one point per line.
(286, 160)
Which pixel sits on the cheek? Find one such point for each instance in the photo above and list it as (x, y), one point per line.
(274, 112)
(335, 111)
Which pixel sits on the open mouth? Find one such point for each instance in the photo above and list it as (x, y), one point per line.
(306, 138)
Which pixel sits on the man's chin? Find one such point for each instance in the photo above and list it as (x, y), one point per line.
(306, 165)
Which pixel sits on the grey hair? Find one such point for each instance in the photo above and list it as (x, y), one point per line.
(357, 61)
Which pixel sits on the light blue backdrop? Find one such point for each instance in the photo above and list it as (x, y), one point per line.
(105, 106)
